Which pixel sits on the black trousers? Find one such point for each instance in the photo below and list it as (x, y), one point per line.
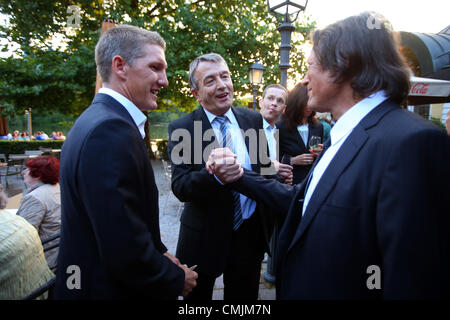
(243, 269)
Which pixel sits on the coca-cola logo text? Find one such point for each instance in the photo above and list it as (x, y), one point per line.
(419, 88)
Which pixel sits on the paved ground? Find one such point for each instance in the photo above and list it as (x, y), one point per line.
(170, 211)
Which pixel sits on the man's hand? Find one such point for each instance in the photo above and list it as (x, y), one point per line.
(303, 159)
(285, 172)
(190, 279)
(223, 164)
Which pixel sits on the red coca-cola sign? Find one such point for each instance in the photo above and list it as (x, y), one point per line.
(419, 88)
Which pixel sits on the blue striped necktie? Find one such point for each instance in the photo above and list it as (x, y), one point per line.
(227, 142)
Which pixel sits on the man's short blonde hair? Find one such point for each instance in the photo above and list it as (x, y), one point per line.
(125, 41)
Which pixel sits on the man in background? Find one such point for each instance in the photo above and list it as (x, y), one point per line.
(272, 105)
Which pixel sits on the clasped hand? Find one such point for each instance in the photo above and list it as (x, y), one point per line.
(223, 163)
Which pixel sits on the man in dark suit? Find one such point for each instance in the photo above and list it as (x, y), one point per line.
(272, 105)
(369, 222)
(221, 232)
(110, 244)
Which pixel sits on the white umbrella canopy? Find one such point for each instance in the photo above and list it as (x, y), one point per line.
(427, 90)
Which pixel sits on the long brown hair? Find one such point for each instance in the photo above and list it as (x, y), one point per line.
(367, 56)
(295, 108)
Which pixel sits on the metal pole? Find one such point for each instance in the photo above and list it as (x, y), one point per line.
(255, 91)
(285, 30)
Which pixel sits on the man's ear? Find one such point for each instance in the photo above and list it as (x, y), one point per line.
(119, 67)
(195, 94)
(260, 101)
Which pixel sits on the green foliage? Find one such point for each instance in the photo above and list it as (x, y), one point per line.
(19, 147)
(46, 77)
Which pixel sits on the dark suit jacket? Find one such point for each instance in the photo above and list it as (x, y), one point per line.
(380, 202)
(207, 220)
(110, 220)
(291, 143)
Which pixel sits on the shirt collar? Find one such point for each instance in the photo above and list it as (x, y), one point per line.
(33, 187)
(350, 119)
(137, 115)
(229, 114)
(267, 125)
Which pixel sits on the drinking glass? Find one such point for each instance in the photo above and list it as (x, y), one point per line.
(314, 142)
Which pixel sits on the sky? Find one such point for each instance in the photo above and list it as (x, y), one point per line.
(426, 16)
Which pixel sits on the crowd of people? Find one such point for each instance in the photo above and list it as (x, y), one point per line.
(354, 182)
(38, 135)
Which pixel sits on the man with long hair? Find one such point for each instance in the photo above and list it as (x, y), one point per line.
(368, 222)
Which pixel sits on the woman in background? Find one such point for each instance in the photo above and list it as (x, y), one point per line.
(41, 202)
(296, 127)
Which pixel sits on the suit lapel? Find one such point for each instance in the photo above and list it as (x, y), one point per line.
(340, 162)
(200, 116)
(116, 107)
(298, 138)
(245, 124)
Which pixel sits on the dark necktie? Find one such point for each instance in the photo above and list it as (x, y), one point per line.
(227, 142)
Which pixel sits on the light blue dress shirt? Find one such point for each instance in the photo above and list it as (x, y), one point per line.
(271, 141)
(303, 131)
(240, 149)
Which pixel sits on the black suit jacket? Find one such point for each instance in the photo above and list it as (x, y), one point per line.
(207, 219)
(379, 203)
(110, 220)
(291, 143)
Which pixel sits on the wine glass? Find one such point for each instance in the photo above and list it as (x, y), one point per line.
(286, 159)
(314, 142)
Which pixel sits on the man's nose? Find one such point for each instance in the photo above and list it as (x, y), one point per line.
(163, 82)
(221, 83)
(305, 81)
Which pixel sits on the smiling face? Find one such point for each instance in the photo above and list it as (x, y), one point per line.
(322, 91)
(273, 104)
(146, 77)
(215, 88)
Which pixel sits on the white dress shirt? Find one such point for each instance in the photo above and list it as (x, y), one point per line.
(303, 130)
(271, 141)
(240, 149)
(338, 134)
(138, 117)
